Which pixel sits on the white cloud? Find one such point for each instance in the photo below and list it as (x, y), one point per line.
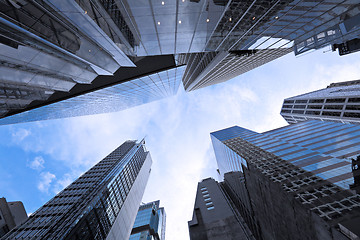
(20, 134)
(45, 181)
(37, 163)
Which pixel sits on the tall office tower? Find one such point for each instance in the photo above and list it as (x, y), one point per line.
(64, 58)
(100, 204)
(74, 57)
(249, 34)
(11, 215)
(214, 217)
(150, 222)
(338, 102)
(298, 179)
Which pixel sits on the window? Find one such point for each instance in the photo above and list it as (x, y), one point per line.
(287, 106)
(204, 192)
(210, 208)
(301, 101)
(299, 106)
(314, 106)
(207, 199)
(204, 188)
(312, 113)
(331, 114)
(208, 203)
(316, 101)
(338, 107)
(298, 111)
(354, 100)
(352, 114)
(206, 195)
(353, 107)
(335, 100)
(286, 111)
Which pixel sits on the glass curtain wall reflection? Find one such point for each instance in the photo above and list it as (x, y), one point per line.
(150, 222)
(100, 204)
(304, 175)
(323, 148)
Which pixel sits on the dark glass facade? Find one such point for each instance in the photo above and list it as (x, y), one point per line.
(100, 204)
(63, 50)
(299, 181)
(150, 222)
(110, 99)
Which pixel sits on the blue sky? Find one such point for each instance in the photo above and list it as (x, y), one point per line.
(39, 159)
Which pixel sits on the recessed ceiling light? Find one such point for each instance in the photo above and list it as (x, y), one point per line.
(158, 23)
(207, 20)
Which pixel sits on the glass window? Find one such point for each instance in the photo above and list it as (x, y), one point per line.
(210, 208)
(335, 100)
(316, 100)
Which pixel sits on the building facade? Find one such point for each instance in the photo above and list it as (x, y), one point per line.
(100, 204)
(150, 222)
(215, 217)
(74, 57)
(299, 181)
(249, 34)
(12, 214)
(338, 102)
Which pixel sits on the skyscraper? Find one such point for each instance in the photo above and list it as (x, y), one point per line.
(214, 217)
(70, 58)
(11, 215)
(150, 222)
(100, 204)
(338, 102)
(299, 178)
(249, 34)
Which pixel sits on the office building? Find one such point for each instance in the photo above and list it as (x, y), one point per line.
(11, 215)
(71, 58)
(150, 222)
(338, 102)
(249, 34)
(101, 204)
(301, 179)
(214, 217)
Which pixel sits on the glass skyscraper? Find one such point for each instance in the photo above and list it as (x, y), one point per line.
(74, 57)
(150, 222)
(100, 204)
(338, 102)
(301, 179)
